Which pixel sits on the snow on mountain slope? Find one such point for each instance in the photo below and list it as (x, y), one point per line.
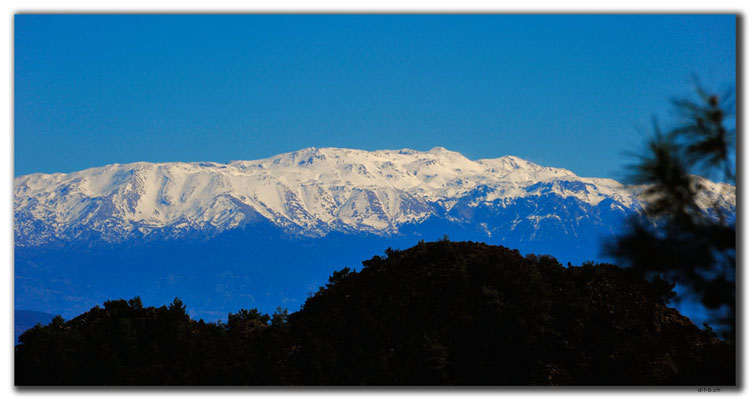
(308, 192)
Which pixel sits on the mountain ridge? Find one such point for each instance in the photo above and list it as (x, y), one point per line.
(309, 192)
(264, 232)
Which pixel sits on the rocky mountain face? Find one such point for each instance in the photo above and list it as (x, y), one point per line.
(165, 228)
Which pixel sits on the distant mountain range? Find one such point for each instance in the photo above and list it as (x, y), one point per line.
(266, 233)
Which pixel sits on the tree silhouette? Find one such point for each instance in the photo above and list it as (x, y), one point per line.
(441, 313)
(685, 236)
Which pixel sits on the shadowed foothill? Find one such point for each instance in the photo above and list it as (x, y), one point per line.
(457, 313)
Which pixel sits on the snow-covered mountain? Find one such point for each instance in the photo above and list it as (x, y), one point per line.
(267, 233)
(309, 192)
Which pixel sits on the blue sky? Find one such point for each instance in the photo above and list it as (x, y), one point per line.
(567, 91)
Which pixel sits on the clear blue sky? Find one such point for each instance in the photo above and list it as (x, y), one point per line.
(565, 91)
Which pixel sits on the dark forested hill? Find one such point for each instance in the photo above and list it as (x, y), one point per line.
(23, 320)
(438, 313)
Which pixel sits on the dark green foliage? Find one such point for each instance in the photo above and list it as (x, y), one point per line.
(679, 240)
(438, 313)
(467, 313)
(24, 320)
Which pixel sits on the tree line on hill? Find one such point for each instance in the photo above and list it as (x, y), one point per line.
(441, 313)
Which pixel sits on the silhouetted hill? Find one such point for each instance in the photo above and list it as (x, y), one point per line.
(438, 313)
(23, 320)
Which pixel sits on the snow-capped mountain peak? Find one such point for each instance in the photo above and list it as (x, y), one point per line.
(309, 192)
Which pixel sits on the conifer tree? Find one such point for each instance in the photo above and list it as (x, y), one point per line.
(678, 239)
